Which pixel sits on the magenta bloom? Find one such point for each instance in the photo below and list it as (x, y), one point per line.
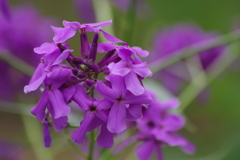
(95, 115)
(53, 95)
(120, 97)
(158, 127)
(170, 40)
(130, 69)
(21, 45)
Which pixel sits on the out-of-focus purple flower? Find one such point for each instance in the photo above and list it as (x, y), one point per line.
(180, 36)
(26, 30)
(9, 151)
(85, 11)
(158, 127)
(5, 9)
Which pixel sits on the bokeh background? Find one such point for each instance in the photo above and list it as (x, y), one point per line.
(212, 119)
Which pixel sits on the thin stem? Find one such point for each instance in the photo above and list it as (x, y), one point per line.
(17, 63)
(186, 52)
(72, 144)
(131, 21)
(71, 126)
(91, 146)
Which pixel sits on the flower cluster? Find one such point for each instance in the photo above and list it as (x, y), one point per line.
(123, 94)
(158, 127)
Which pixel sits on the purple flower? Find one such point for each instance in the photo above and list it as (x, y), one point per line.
(21, 45)
(95, 116)
(52, 98)
(158, 127)
(130, 69)
(84, 9)
(170, 40)
(120, 97)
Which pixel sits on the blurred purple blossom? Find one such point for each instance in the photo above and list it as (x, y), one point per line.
(169, 41)
(85, 11)
(158, 127)
(9, 151)
(26, 30)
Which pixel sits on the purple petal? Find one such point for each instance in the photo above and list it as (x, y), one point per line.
(46, 135)
(60, 107)
(133, 83)
(105, 47)
(100, 24)
(80, 97)
(117, 84)
(130, 117)
(63, 34)
(141, 52)
(102, 115)
(170, 104)
(125, 53)
(144, 98)
(119, 68)
(105, 138)
(39, 109)
(68, 93)
(34, 85)
(142, 69)
(38, 72)
(75, 25)
(173, 123)
(145, 151)
(79, 134)
(111, 38)
(104, 105)
(45, 48)
(62, 57)
(96, 122)
(188, 148)
(60, 123)
(105, 90)
(116, 119)
(135, 110)
(58, 77)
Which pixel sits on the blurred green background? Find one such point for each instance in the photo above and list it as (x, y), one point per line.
(216, 122)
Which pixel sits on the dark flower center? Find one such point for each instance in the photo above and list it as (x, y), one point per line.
(151, 124)
(93, 109)
(120, 99)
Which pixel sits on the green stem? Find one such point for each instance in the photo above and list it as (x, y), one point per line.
(72, 144)
(17, 63)
(91, 146)
(131, 22)
(186, 52)
(71, 126)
